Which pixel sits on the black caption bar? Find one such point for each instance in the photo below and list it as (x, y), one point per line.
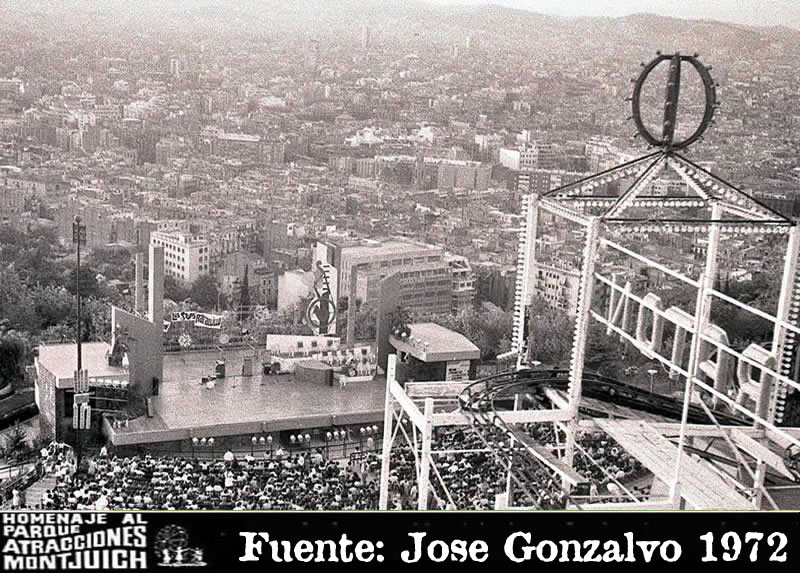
(284, 541)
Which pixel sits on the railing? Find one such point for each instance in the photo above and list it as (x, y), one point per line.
(20, 482)
(331, 451)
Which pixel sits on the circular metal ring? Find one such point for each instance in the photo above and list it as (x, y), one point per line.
(673, 89)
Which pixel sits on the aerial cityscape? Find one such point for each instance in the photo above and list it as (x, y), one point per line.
(366, 255)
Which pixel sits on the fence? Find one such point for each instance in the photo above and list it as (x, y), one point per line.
(27, 474)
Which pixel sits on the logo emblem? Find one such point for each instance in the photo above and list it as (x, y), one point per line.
(185, 341)
(667, 138)
(321, 311)
(172, 547)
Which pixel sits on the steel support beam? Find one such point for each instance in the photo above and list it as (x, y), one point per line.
(702, 314)
(585, 293)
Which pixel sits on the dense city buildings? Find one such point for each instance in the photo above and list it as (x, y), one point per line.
(430, 279)
(275, 199)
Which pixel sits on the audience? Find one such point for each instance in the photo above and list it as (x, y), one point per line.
(152, 482)
(308, 480)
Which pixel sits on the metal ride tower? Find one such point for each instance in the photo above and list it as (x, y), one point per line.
(701, 359)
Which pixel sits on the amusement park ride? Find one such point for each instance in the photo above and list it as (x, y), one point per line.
(733, 400)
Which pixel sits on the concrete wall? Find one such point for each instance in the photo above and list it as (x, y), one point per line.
(145, 351)
(391, 290)
(45, 395)
(155, 284)
(293, 286)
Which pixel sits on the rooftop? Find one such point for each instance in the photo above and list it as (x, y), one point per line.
(61, 360)
(389, 247)
(431, 342)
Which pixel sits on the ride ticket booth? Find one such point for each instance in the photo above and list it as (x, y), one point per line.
(434, 353)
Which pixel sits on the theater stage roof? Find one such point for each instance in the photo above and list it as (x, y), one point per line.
(239, 405)
(61, 360)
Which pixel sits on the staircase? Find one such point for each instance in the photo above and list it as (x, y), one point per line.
(33, 495)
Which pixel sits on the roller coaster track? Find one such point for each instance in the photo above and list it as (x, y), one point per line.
(482, 394)
(521, 455)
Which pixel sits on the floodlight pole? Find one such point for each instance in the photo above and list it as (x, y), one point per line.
(78, 237)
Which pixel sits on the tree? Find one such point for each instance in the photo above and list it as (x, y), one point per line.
(15, 444)
(32, 253)
(550, 333)
(114, 262)
(244, 297)
(53, 305)
(365, 322)
(604, 353)
(16, 303)
(489, 327)
(400, 320)
(88, 282)
(96, 316)
(173, 290)
(342, 306)
(204, 292)
(12, 358)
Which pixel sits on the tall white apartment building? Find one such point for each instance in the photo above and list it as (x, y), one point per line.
(186, 256)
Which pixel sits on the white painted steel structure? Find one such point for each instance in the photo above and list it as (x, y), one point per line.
(412, 411)
(573, 204)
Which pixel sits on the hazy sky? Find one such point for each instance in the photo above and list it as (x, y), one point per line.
(755, 12)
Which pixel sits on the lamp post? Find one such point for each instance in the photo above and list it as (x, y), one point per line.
(78, 239)
(652, 372)
(205, 442)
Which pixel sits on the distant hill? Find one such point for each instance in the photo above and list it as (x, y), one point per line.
(494, 26)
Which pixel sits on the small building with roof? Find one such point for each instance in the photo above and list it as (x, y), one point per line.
(433, 352)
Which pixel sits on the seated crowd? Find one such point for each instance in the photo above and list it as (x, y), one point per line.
(472, 478)
(303, 481)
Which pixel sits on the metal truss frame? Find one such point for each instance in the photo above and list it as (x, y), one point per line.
(568, 202)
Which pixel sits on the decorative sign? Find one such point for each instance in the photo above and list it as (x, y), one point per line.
(200, 319)
(184, 340)
(81, 409)
(81, 381)
(457, 370)
(321, 311)
(632, 317)
(667, 139)
(172, 546)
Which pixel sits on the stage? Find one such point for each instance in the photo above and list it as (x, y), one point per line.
(240, 405)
